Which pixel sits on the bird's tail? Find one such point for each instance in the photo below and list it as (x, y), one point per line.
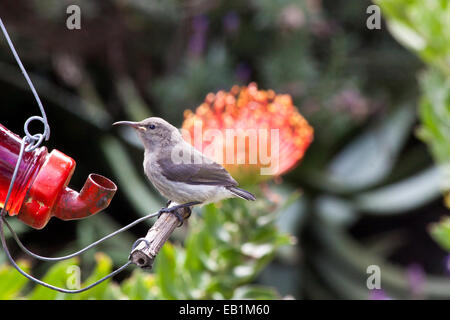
(241, 193)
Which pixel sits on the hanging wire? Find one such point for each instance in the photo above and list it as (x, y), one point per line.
(36, 139)
(29, 143)
(94, 244)
(42, 283)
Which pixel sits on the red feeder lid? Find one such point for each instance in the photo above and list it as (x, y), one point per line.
(50, 181)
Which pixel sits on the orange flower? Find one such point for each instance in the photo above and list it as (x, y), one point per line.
(248, 130)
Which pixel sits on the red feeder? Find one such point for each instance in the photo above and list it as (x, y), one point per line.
(40, 190)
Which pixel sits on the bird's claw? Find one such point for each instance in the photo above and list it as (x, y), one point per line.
(172, 210)
(175, 208)
(189, 213)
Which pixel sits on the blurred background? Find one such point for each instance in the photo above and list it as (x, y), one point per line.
(370, 189)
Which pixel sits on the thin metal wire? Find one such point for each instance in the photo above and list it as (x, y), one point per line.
(32, 254)
(37, 138)
(42, 283)
(29, 143)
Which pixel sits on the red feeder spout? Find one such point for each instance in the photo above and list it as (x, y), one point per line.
(95, 196)
(48, 194)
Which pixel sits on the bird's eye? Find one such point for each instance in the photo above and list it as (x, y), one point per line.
(151, 126)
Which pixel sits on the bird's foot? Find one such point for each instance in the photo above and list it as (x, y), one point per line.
(162, 210)
(174, 210)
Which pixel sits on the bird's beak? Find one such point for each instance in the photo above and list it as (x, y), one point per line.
(135, 125)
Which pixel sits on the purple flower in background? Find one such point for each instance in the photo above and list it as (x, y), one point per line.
(200, 23)
(198, 39)
(231, 22)
(243, 72)
(416, 279)
(447, 264)
(352, 102)
(378, 294)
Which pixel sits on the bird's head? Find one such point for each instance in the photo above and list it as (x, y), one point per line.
(154, 132)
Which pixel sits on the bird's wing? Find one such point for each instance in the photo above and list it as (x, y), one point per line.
(207, 172)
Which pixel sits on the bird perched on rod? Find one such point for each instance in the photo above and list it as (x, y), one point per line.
(178, 171)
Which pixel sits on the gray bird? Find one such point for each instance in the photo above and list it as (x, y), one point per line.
(180, 172)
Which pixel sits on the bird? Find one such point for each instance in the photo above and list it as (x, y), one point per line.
(181, 173)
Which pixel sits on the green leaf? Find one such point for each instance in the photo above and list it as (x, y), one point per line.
(422, 26)
(435, 114)
(103, 268)
(253, 292)
(57, 276)
(11, 281)
(441, 233)
(166, 272)
(140, 286)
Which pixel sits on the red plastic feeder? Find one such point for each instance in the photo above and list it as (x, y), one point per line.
(40, 190)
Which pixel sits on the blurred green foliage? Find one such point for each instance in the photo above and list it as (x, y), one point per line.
(226, 248)
(441, 233)
(424, 27)
(368, 185)
(435, 114)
